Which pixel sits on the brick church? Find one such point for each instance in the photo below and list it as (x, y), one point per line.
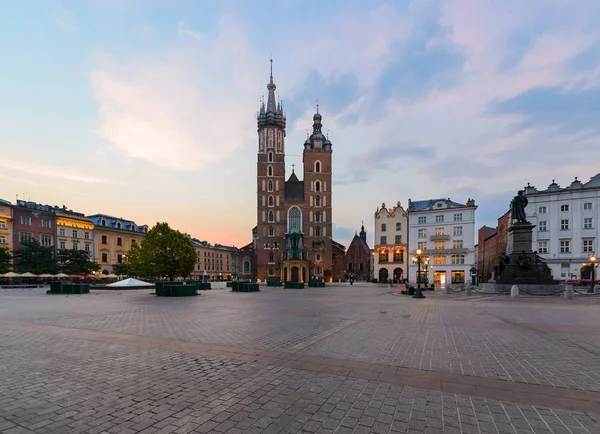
(292, 240)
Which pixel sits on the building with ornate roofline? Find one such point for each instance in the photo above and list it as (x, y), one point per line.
(566, 229)
(391, 237)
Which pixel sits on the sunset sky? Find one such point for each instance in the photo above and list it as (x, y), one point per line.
(146, 109)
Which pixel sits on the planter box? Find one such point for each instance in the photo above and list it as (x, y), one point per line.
(274, 283)
(294, 285)
(203, 286)
(316, 284)
(244, 287)
(68, 288)
(176, 289)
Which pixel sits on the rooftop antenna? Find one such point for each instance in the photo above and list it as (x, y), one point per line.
(317, 106)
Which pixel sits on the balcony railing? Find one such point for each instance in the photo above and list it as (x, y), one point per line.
(443, 237)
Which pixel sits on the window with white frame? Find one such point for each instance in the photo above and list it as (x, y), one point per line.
(439, 218)
(565, 246)
(439, 231)
(383, 227)
(25, 220)
(457, 217)
(271, 216)
(62, 245)
(422, 233)
(398, 226)
(271, 201)
(270, 185)
(398, 239)
(587, 206)
(75, 245)
(25, 236)
(458, 231)
(564, 225)
(588, 223)
(588, 245)
(422, 245)
(2, 239)
(542, 210)
(45, 223)
(271, 232)
(458, 259)
(457, 244)
(75, 234)
(88, 247)
(543, 246)
(439, 245)
(422, 220)
(542, 226)
(46, 240)
(270, 171)
(270, 156)
(2, 224)
(564, 208)
(86, 235)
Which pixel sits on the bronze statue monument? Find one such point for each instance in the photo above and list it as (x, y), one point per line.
(517, 207)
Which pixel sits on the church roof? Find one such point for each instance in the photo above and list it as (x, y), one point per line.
(294, 188)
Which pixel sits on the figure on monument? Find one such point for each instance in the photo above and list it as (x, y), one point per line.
(517, 207)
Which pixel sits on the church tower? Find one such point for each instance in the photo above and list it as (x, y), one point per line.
(271, 218)
(317, 195)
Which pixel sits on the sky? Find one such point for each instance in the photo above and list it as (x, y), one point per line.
(146, 109)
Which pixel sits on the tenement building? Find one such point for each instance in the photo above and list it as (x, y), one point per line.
(492, 242)
(114, 237)
(391, 235)
(6, 225)
(33, 221)
(445, 231)
(214, 262)
(292, 240)
(566, 224)
(74, 231)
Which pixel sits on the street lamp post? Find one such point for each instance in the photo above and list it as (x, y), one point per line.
(419, 259)
(593, 265)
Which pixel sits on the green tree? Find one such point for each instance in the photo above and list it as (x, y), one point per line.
(76, 262)
(35, 258)
(121, 268)
(5, 258)
(163, 252)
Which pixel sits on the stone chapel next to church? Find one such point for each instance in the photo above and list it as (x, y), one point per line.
(292, 240)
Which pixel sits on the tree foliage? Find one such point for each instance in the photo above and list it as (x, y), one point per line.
(5, 258)
(163, 252)
(122, 268)
(76, 262)
(35, 258)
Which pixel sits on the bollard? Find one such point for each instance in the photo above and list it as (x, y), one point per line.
(469, 289)
(514, 291)
(596, 289)
(569, 292)
(447, 290)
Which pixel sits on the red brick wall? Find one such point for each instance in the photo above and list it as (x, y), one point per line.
(35, 228)
(355, 255)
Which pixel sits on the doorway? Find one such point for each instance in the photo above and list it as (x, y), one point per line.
(295, 274)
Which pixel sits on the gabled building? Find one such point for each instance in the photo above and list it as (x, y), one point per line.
(445, 231)
(358, 257)
(114, 237)
(391, 237)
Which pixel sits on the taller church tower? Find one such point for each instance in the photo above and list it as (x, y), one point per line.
(271, 212)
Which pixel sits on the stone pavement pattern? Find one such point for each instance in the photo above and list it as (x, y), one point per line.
(342, 359)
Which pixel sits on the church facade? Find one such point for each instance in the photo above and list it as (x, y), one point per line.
(292, 240)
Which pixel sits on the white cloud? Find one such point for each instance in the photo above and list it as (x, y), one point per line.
(183, 107)
(51, 171)
(65, 20)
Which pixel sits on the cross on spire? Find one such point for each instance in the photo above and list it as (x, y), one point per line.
(317, 106)
(293, 165)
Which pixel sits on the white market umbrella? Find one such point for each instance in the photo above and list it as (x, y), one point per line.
(28, 274)
(61, 275)
(11, 274)
(112, 276)
(45, 276)
(129, 282)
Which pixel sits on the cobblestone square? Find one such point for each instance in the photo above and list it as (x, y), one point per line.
(341, 359)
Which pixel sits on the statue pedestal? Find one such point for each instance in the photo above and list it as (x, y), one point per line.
(519, 238)
(522, 265)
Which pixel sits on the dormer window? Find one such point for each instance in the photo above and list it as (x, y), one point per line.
(118, 225)
(133, 227)
(103, 222)
(145, 230)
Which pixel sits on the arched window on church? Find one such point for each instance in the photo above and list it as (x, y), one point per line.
(318, 186)
(317, 217)
(270, 200)
(270, 185)
(271, 231)
(271, 217)
(294, 219)
(270, 156)
(318, 166)
(271, 258)
(317, 232)
(270, 171)
(318, 201)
